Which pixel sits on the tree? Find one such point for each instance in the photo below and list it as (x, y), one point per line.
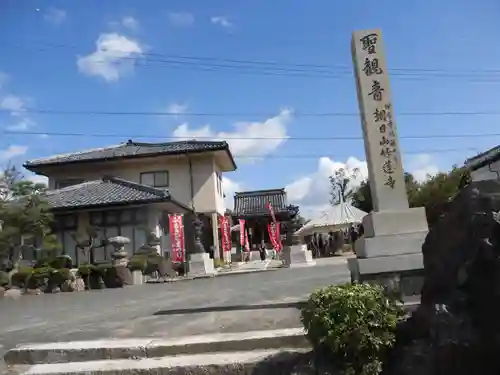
(438, 191)
(295, 216)
(24, 213)
(362, 197)
(434, 194)
(340, 185)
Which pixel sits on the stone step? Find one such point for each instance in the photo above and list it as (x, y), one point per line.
(257, 362)
(114, 349)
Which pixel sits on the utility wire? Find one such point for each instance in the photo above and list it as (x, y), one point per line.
(317, 156)
(235, 114)
(272, 68)
(178, 138)
(281, 65)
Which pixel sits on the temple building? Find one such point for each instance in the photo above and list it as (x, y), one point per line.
(252, 206)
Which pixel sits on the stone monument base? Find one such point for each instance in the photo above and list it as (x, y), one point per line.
(226, 256)
(298, 256)
(406, 269)
(391, 249)
(201, 264)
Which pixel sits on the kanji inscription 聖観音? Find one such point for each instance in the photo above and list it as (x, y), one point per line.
(381, 142)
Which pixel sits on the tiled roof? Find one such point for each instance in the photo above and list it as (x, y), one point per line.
(253, 203)
(107, 191)
(131, 149)
(483, 158)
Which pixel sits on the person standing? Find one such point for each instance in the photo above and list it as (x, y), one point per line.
(262, 251)
(353, 234)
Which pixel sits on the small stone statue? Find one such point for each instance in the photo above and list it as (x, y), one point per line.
(198, 232)
(151, 245)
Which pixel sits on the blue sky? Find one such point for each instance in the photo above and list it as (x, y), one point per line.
(56, 56)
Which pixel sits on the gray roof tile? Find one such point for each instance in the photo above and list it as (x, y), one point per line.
(131, 149)
(107, 191)
(253, 203)
(483, 158)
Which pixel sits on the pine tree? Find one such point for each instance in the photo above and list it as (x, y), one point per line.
(23, 213)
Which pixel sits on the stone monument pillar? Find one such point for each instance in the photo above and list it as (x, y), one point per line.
(393, 232)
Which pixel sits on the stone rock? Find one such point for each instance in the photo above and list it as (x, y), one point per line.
(13, 293)
(456, 328)
(77, 285)
(124, 275)
(66, 286)
(165, 268)
(33, 292)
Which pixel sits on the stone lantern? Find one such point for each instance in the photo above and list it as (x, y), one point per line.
(120, 260)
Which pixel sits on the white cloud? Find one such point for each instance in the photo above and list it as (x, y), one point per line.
(23, 124)
(181, 19)
(114, 57)
(12, 151)
(312, 192)
(250, 139)
(15, 105)
(422, 166)
(55, 16)
(177, 108)
(221, 21)
(37, 179)
(230, 187)
(12, 103)
(130, 23)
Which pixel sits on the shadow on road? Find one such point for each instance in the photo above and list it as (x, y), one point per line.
(281, 305)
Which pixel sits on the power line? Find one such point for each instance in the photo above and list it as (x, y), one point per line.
(235, 114)
(287, 72)
(317, 156)
(272, 68)
(281, 65)
(229, 138)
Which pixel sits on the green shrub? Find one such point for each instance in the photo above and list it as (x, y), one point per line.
(85, 270)
(102, 269)
(61, 262)
(20, 278)
(39, 277)
(59, 276)
(138, 263)
(354, 323)
(57, 262)
(42, 263)
(4, 278)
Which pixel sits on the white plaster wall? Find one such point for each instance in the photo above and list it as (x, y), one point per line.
(206, 198)
(219, 194)
(488, 172)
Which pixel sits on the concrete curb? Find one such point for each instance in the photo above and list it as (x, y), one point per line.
(229, 273)
(80, 351)
(256, 362)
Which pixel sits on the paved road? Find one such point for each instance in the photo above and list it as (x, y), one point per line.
(222, 304)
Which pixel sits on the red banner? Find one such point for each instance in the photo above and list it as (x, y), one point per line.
(274, 229)
(242, 232)
(271, 211)
(247, 243)
(177, 237)
(225, 232)
(274, 235)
